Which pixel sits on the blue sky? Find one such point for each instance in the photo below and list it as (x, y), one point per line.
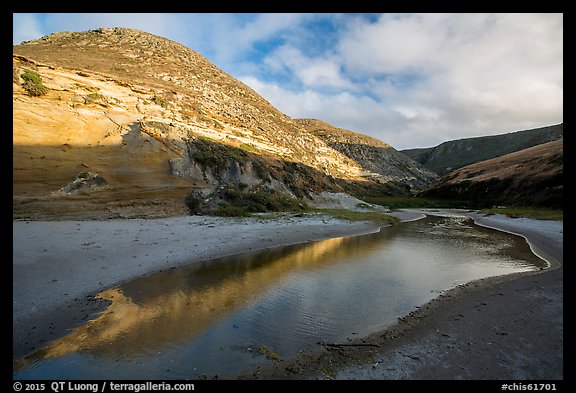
(410, 80)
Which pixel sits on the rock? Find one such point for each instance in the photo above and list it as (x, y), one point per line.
(85, 182)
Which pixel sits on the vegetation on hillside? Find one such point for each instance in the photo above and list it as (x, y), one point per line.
(33, 84)
(531, 177)
(281, 185)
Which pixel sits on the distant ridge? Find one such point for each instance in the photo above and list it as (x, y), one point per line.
(451, 155)
(529, 177)
(371, 153)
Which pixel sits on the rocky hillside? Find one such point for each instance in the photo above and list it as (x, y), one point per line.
(154, 121)
(374, 155)
(455, 154)
(530, 177)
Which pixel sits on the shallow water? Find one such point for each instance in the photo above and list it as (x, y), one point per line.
(229, 315)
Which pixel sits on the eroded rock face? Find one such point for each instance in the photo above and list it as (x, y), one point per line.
(381, 161)
(85, 182)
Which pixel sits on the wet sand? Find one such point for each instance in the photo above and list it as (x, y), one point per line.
(500, 328)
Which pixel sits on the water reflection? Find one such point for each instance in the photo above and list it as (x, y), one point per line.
(173, 306)
(210, 318)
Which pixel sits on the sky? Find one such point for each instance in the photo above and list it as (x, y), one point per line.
(410, 80)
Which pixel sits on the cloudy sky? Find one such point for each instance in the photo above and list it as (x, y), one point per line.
(411, 80)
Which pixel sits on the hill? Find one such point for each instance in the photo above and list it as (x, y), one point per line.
(374, 155)
(455, 154)
(156, 123)
(530, 177)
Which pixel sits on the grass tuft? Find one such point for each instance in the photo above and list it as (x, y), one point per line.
(400, 202)
(264, 350)
(350, 215)
(530, 212)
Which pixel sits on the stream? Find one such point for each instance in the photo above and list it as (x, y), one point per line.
(230, 315)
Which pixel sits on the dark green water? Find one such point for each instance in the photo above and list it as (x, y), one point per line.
(233, 314)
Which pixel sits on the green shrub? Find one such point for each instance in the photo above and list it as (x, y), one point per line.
(248, 147)
(261, 171)
(209, 153)
(194, 202)
(258, 200)
(33, 84)
(227, 210)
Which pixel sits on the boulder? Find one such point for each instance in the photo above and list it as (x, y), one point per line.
(85, 182)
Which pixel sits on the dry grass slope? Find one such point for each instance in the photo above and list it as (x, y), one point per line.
(530, 177)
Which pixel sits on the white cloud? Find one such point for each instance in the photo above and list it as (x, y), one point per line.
(228, 37)
(389, 46)
(26, 27)
(265, 26)
(311, 72)
(476, 74)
